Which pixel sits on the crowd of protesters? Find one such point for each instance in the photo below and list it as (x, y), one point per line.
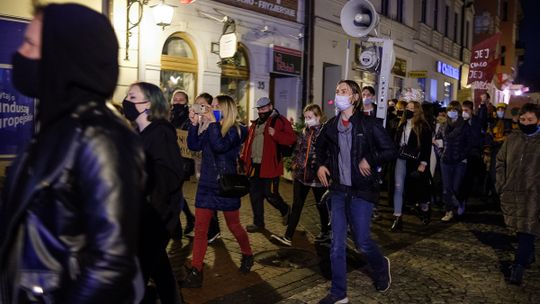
(89, 209)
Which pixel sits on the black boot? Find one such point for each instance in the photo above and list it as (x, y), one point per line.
(193, 279)
(426, 216)
(246, 263)
(516, 276)
(397, 225)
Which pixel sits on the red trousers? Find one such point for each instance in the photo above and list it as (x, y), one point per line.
(202, 222)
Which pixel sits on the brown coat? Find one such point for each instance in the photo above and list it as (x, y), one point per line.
(518, 182)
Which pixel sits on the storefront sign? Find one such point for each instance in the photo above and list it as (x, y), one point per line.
(417, 74)
(483, 61)
(284, 9)
(286, 61)
(447, 70)
(16, 110)
(400, 67)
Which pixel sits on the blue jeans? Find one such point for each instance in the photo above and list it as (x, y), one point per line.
(399, 183)
(356, 212)
(452, 176)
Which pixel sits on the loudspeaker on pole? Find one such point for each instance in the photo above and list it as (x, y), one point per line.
(358, 18)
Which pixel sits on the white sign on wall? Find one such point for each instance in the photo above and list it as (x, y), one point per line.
(227, 45)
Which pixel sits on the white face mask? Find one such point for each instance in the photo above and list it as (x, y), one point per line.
(342, 102)
(367, 101)
(311, 122)
(500, 114)
(452, 114)
(465, 115)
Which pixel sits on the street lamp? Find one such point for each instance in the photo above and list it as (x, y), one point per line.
(162, 12)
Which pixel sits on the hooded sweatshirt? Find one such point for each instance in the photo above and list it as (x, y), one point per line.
(71, 73)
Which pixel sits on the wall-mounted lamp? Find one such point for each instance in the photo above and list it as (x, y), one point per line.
(162, 12)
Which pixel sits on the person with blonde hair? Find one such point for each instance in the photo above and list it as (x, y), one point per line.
(220, 148)
(305, 176)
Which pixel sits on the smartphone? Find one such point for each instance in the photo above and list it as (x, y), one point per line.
(198, 109)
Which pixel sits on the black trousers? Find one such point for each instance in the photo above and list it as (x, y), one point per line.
(153, 257)
(264, 188)
(300, 194)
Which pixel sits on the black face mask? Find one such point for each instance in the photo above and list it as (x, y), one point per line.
(264, 116)
(391, 109)
(177, 109)
(130, 111)
(409, 114)
(528, 129)
(399, 113)
(25, 75)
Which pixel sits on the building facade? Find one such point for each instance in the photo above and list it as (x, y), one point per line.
(185, 54)
(432, 41)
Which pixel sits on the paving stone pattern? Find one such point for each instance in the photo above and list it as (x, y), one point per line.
(460, 262)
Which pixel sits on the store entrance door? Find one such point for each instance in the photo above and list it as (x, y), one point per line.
(284, 92)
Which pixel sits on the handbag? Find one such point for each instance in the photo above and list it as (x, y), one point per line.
(409, 153)
(233, 185)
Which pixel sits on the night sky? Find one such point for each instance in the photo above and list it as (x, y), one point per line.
(529, 72)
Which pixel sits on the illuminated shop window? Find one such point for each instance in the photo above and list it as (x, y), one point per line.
(235, 80)
(178, 66)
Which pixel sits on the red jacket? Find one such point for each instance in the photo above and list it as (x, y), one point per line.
(271, 166)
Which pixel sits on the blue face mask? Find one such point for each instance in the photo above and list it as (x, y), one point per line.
(217, 115)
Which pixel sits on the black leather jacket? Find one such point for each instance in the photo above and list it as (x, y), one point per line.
(71, 211)
(370, 141)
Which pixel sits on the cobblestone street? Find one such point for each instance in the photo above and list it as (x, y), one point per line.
(464, 261)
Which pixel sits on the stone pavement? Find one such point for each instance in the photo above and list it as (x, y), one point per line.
(461, 262)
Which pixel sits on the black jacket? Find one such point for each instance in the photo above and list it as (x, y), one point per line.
(165, 173)
(71, 208)
(423, 148)
(369, 140)
(457, 142)
(69, 225)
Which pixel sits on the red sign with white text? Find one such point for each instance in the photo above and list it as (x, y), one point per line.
(286, 61)
(483, 60)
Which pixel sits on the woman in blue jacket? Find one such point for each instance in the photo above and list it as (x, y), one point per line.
(220, 150)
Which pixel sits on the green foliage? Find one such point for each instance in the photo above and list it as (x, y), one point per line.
(298, 126)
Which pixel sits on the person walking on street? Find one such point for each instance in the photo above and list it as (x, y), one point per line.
(456, 148)
(349, 148)
(262, 162)
(305, 177)
(204, 104)
(518, 177)
(220, 151)
(180, 120)
(413, 137)
(146, 106)
(69, 216)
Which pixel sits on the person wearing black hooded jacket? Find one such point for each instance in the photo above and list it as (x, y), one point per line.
(69, 217)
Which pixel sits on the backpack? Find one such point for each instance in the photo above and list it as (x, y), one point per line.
(282, 150)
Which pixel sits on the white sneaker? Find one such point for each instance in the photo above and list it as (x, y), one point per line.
(214, 238)
(282, 240)
(448, 216)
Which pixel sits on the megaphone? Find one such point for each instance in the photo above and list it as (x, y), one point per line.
(358, 18)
